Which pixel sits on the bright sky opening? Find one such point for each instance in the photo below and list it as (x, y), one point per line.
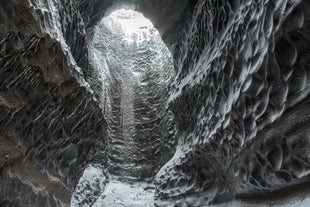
(131, 21)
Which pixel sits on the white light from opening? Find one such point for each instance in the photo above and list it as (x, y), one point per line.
(130, 21)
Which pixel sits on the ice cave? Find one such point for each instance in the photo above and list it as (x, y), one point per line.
(154, 103)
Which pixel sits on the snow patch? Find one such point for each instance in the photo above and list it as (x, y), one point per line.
(118, 194)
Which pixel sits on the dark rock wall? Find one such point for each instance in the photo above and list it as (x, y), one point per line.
(240, 101)
(50, 122)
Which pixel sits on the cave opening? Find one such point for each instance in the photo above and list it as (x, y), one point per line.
(132, 70)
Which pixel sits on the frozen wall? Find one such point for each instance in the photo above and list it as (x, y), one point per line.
(239, 97)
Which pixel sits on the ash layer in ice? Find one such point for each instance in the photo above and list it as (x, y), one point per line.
(239, 95)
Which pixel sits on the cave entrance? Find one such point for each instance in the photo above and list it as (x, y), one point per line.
(133, 68)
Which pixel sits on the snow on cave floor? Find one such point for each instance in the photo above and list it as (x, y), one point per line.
(141, 194)
(121, 194)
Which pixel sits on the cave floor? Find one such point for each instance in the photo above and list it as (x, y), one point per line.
(122, 194)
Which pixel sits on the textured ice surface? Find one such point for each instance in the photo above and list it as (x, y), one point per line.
(90, 186)
(131, 69)
(240, 101)
(46, 105)
(300, 202)
(134, 68)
